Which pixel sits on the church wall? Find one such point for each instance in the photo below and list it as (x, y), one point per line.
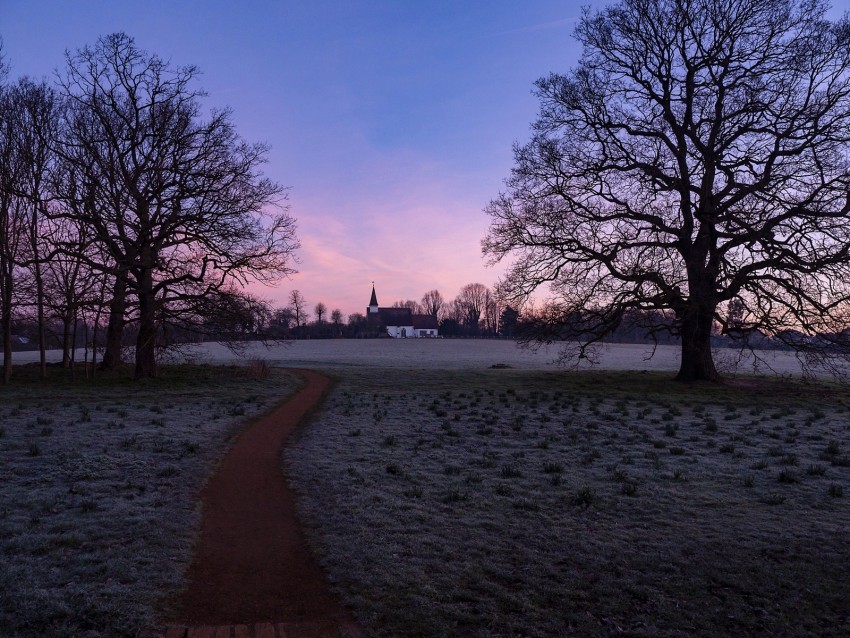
(396, 331)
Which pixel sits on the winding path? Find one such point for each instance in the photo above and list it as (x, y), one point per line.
(253, 574)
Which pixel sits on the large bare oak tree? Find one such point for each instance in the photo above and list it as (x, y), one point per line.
(696, 157)
(176, 199)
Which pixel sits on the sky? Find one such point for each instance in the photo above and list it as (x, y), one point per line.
(390, 121)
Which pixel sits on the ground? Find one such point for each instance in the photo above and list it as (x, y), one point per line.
(446, 497)
(505, 503)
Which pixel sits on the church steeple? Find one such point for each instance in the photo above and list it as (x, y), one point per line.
(373, 302)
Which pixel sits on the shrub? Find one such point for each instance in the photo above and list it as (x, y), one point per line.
(583, 498)
(511, 471)
(787, 476)
(258, 369)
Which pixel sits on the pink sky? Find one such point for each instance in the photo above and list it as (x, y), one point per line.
(403, 226)
(391, 121)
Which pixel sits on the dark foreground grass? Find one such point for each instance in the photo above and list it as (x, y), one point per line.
(501, 503)
(99, 490)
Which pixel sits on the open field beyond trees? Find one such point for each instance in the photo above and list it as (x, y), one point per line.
(462, 354)
(446, 497)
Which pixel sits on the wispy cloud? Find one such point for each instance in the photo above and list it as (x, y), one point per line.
(543, 26)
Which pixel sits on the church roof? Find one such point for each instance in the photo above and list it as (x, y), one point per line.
(374, 300)
(395, 316)
(425, 322)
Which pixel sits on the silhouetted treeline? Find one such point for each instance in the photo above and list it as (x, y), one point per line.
(127, 210)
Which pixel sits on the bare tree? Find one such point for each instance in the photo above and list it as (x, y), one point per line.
(298, 305)
(282, 320)
(471, 301)
(406, 303)
(68, 281)
(4, 66)
(35, 108)
(492, 311)
(454, 311)
(432, 303)
(27, 121)
(14, 221)
(697, 154)
(320, 310)
(228, 314)
(336, 317)
(178, 201)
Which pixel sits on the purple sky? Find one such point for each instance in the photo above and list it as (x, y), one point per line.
(391, 120)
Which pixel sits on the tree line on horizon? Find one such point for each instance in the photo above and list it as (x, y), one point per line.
(476, 311)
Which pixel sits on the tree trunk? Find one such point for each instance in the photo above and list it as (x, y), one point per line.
(697, 362)
(7, 353)
(39, 291)
(86, 348)
(115, 327)
(74, 348)
(146, 341)
(6, 323)
(66, 338)
(42, 346)
(95, 335)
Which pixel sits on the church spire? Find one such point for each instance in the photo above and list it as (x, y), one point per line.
(373, 302)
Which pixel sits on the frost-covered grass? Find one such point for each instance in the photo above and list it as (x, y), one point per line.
(99, 491)
(463, 354)
(528, 503)
(447, 500)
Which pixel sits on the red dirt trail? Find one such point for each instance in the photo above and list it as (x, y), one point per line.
(253, 573)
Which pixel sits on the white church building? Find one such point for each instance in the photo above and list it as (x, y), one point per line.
(400, 323)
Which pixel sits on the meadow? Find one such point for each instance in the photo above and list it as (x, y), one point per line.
(525, 503)
(450, 488)
(100, 483)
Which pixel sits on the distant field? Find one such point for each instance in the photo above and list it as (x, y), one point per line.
(463, 354)
(99, 492)
(525, 503)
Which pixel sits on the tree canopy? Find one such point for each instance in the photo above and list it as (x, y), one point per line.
(176, 199)
(696, 157)
(116, 181)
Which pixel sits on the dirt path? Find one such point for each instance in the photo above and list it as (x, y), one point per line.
(252, 563)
